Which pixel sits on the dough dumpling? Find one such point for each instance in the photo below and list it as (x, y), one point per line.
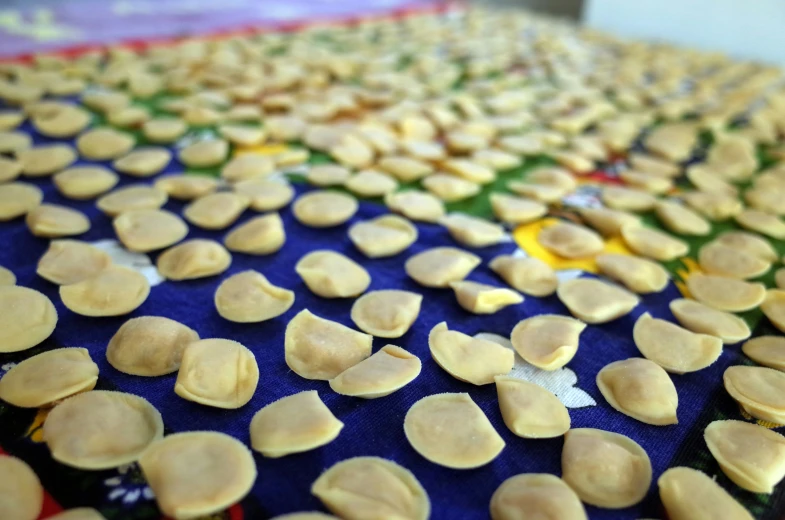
(452, 431)
(472, 231)
(474, 360)
(529, 410)
(195, 258)
(637, 274)
(383, 236)
(675, 349)
(27, 317)
(570, 240)
(48, 377)
(149, 346)
(536, 495)
(146, 230)
(316, 348)
(262, 235)
(723, 260)
(216, 210)
(689, 494)
(293, 424)
(324, 208)
(186, 186)
(386, 371)
(21, 493)
(450, 188)
(608, 221)
(516, 210)
(653, 243)
(641, 389)
(248, 297)
(767, 351)
(217, 372)
(773, 307)
(114, 291)
(133, 197)
(547, 341)
(762, 222)
(595, 301)
(528, 275)
(725, 294)
(703, 319)
(627, 199)
(330, 274)
(760, 391)
(387, 313)
(480, 298)
(415, 205)
(265, 194)
(70, 261)
(439, 266)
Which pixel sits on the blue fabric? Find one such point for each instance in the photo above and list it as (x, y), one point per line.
(372, 427)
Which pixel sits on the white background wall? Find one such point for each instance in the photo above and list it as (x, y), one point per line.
(750, 29)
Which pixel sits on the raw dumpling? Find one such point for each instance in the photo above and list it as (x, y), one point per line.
(536, 495)
(370, 183)
(217, 372)
(731, 261)
(382, 236)
(469, 359)
(480, 298)
(528, 275)
(130, 198)
(452, 431)
(608, 221)
(387, 313)
(324, 208)
(681, 219)
(637, 274)
(264, 194)
(653, 243)
(294, 424)
(689, 494)
(17, 199)
(114, 291)
(762, 222)
(529, 410)
(760, 391)
(439, 266)
(71, 261)
(186, 186)
(472, 231)
(149, 346)
(204, 154)
(726, 294)
(716, 206)
(595, 301)
(195, 258)
(21, 493)
(641, 389)
(627, 199)
(48, 377)
(415, 205)
(27, 317)
(101, 429)
(703, 319)
(330, 274)
(547, 341)
(749, 242)
(52, 221)
(570, 240)
(766, 350)
(385, 372)
(216, 210)
(675, 349)
(516, 210)
(316, 348)
(372, 487)
(85, 182)
(146, 230)
(774, 307)
(248, 297)
(262, 235)
(450, 188)
(605, 469)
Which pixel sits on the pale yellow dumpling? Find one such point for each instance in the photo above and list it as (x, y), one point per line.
(766, 350)
(544, 193)
(480, 298)
(149, 346)
(641, 389)
(653, 165)
(703, 319)
(371, 487)
(675, 349)
(654, 184)
(21, 493)
(472, 231)
(547, 341)
(716, 206)
(101, 429)
(570, 240)
(217, 372)
(371, 183)
(673, 141)
(707, 180)
(14, 141)
(689, 494)
(386, 371)
(265, 195)
(439, 266)
(450, 188)
(608, 221)
(242, 135)
(204, 154)
(653, 243)
(10, 169)
(726, 294)
(528, 275)
(262, 235)
(535, 495)
(773, 307)
(149, 229)
(114, 291)
(131, 198)
(7, 277)
(383, 236)
(164, 129)
(248, 166)
(529, 410)
(27, 317)
(516, 210)
(760, 391)
(627, 199)
(681, 219)
(405, 169)
(750, 455)
(70, 261)
(17, 199)
(324, 208)
(85, 182)
(78, 513)
(196, 258)
(53, 221)
(733, 262)
(45, 159)
(48, 377)
(143, 161)
(750, 243)
(327, 175)
(605, 469)
(595, 301)
(316, 348)
(216, 210)
(762, 222)
(637, 274)
(248, 297)
(386, 313)
(415, 205)
(452, 431)
(293, 424)
(101, 144)
(476, 361)
(181, 492)
(310, 515)
(330, 274)
(183, 186)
